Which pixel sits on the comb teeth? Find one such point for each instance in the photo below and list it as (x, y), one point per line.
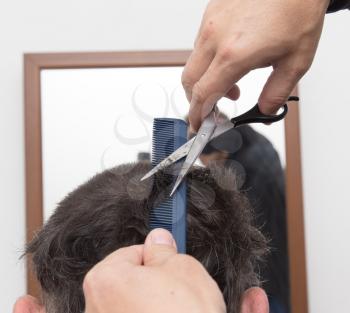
(163, 139)
(162, 216)
(168, 135)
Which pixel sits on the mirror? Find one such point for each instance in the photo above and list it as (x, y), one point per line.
(89, 112)
(86, 116)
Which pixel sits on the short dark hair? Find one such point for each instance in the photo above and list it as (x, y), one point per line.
(111, 211)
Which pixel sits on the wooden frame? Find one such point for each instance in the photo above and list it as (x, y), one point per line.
(34, 63)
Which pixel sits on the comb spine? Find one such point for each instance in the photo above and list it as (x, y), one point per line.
(169, 135)
(180, 197)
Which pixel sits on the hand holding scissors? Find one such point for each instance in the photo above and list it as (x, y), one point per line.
(208, 131)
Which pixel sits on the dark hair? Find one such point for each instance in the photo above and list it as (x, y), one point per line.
(111, 211)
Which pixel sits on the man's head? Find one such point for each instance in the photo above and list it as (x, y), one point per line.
(111, 211)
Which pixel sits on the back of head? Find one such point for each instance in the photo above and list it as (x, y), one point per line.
(111, 211)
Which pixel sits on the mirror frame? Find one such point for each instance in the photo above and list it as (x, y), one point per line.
(35, 62)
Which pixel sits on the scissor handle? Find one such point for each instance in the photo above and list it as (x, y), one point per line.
(255, 116)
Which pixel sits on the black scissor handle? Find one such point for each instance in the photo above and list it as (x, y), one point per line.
(255, 116)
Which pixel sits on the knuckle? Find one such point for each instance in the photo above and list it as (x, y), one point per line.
(187, 80)
(206, 33)
(271, 104)
(90, 280)
(297, 71)
(227, 53)
(207, 30)
(198, 94)
(230, 53)
(97, 278)
(119, 252)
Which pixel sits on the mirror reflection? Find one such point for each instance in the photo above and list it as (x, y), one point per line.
(94, 119)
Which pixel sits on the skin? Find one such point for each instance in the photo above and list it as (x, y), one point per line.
(237, 36)
(152, 278)
(28, 304)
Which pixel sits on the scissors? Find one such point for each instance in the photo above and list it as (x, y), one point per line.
(208, 131)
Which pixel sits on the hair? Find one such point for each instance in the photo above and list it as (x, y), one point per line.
(111, 211)
(260, 173)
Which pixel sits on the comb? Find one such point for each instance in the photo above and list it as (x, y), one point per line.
(168, 135)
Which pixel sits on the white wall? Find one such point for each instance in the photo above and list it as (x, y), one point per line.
(325, 121)
(83, 25)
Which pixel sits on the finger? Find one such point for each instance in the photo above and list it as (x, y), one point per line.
(278, 88)
(28, 304)
(159, 247)
(214, 84)
(200, 58)
(254, 300)
(129, 255)
(233, 93)
(195, 67)
(118, 264)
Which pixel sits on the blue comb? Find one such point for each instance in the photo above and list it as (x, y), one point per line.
(168, 135)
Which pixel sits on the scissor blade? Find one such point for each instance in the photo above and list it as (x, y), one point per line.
(203, 137)
(180, 178)
(172, 158)
(222, 128)
(185, 148)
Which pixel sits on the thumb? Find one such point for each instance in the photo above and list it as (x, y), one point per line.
(278, 88)
(254, 300)
(159, 247)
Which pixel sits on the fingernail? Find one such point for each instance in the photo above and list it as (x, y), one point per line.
(161, 236)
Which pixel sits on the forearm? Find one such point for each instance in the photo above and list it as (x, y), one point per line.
(336, 5)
